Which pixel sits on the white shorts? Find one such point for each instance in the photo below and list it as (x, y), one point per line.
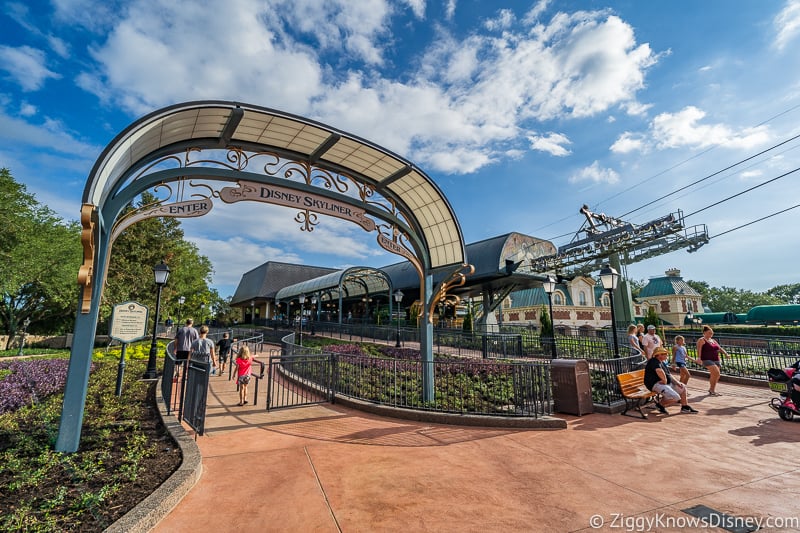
(667, 392)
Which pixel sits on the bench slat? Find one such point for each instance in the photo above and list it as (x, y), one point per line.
(631, 384)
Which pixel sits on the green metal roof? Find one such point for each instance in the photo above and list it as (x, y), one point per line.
(536, 297)
(667, 286)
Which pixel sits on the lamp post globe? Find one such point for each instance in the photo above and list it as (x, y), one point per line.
(609, 278)
(398, 297)
(161, 275)
(549, 286)
(181, 301)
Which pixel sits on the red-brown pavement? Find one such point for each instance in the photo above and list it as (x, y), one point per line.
(328, 468)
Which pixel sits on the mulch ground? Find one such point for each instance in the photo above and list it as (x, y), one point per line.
(154, 471)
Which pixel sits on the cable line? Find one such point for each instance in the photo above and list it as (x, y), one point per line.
(754, 221)
(712, 175)
(742, 192)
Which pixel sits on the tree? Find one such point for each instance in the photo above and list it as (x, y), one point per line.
(547, 335)
(39, 259)
(788, 294)
(143, 245)
(636, 286)
(651, 318)
(729, 299)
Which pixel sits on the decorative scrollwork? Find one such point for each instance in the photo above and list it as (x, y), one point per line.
(307, 220)
(456, 279)
(86, 270)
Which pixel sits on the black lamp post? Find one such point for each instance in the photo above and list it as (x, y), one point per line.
(609, 277)
(549, 286)
(690, 318)
(314, 314)
(253, 312)
(302, 300)
(25, 324)
(398, 297)
(161, 274)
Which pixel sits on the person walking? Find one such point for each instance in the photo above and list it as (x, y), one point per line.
(184, 338)
(633, 341)
(203, 349)
(244, 363)
(224, 350)
(709, 350)
(651, 341)
(679, 357)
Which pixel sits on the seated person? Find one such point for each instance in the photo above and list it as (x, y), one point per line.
(795, 389)
(658, 379)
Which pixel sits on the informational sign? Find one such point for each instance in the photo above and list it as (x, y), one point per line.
(129, 322)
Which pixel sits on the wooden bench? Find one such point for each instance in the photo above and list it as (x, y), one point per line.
(636, 395)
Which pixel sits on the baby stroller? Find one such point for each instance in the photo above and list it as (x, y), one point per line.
(780, 381)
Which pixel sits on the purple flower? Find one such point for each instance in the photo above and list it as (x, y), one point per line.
(30, 380)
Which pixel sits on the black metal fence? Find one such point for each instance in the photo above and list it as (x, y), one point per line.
(464, 386)
(501, 374)
(196, 394)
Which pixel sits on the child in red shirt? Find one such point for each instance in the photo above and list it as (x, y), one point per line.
(244, 362)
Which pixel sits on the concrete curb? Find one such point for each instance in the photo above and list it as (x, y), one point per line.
(545, 422)
(155, 507)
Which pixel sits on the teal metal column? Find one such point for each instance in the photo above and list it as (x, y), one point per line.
(426, 342)
(623, 301)
(80, 359)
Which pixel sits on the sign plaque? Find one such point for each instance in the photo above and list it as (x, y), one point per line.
(129, 322)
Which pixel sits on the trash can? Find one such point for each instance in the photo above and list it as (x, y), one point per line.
(572, 386)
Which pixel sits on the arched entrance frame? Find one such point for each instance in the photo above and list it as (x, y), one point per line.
(308, 166)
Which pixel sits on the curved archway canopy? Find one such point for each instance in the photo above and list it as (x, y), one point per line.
(309, 166)
(221, 124)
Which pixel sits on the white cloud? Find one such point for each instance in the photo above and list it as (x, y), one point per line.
(552, 143)
(457, 160)
(628, 142)
(471, 96)
(25, 66)
(26, 109)
(532, 16)
(417, 7)
(205, 55)
(503, 20)
(682, 129)
(749, 175)
(450, 9)
(595, 174)
(51, 135)
(340, 25)
(231, 257)
(787, 24)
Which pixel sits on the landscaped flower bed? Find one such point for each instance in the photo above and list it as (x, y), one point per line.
(124, 452)
(393, 376)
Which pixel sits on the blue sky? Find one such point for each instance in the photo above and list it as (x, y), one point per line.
(520, 111)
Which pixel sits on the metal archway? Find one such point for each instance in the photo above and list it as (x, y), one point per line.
(266, 156)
